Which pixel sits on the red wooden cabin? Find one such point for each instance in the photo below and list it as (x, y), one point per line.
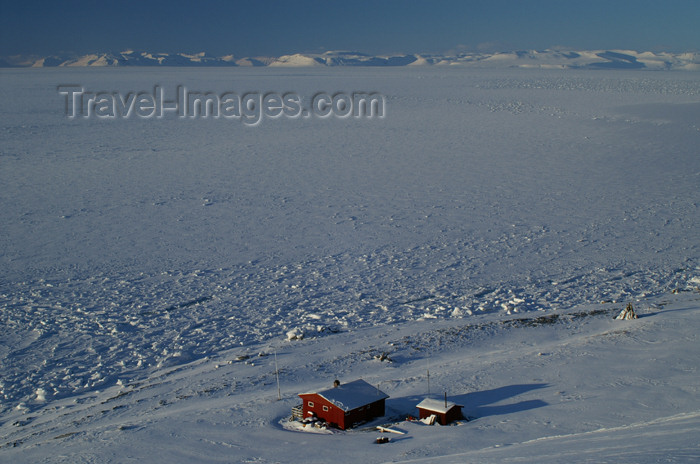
(345, 405)
(445, 411)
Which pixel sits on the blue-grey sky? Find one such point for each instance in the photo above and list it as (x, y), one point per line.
(266, 27)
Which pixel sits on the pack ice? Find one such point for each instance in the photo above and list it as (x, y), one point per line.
(158, 275)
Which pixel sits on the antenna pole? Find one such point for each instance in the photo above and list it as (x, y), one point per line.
(428, 376)
(277, 374)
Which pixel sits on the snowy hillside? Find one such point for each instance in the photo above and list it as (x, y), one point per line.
(573, 386)
(543, 59)
(488, 228)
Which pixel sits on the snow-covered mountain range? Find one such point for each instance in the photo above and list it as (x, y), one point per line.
(556, 59)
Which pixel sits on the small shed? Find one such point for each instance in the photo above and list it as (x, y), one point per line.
(345, 405)
(445, 411)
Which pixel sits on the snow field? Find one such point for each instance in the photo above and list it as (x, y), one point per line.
(575, 385)
(146, 264)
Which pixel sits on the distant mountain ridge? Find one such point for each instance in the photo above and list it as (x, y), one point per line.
(545, 59)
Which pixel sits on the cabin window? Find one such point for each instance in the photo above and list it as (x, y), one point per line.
(310, 404)
(325, 408)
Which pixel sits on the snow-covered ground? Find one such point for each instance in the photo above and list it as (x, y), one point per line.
(489, 228)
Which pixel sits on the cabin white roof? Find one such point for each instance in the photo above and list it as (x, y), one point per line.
(438, 406)
(351, 395)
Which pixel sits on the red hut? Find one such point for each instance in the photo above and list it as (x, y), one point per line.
(444, 411)
(346, 405)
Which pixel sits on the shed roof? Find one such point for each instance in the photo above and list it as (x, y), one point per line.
(351, 395)
(437, 405)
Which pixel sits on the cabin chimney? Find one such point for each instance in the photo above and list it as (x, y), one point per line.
(445, 399)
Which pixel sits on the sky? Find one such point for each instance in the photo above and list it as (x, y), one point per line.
(273, 28)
